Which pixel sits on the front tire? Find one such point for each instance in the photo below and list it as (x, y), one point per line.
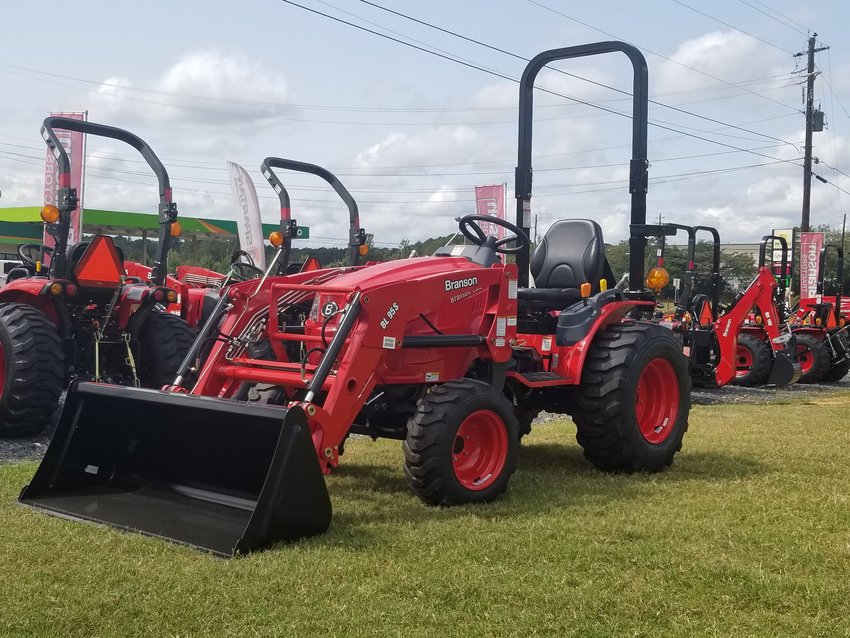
(32, 370)
(462, 444)
(813, 356)
(839, 361)
(634, 399)
(164, 340)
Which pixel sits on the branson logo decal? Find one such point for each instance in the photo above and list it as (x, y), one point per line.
(457, 284)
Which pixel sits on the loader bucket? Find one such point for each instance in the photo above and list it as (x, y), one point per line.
(222, 476)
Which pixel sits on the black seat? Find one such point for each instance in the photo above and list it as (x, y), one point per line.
(571, 253)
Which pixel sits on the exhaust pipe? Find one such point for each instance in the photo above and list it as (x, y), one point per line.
(222, 476)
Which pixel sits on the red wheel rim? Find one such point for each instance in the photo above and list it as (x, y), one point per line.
(657, 401)
(805, 358)
(743, 361)
(480, 450)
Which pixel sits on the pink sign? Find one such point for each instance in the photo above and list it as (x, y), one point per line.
(810, 247)
(72, 142)
(490, 200)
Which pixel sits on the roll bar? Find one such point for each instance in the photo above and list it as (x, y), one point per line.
(67, 199)
(780, 290)
(715, 267)
(356, 234)
(639, 166)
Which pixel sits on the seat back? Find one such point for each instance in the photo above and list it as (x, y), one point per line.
(571, 253)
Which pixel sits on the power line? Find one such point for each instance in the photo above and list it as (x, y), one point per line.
(791, 21)
(572, 75)
(661, 55)
(711, 17)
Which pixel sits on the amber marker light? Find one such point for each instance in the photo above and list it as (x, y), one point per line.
(364, 250)
(176, 229)
(276, 238)
(657, 278)
(50, 214)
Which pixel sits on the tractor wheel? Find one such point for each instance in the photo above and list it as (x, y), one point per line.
(164, 340)
(633, 400)
(840, 363)
(462, 444)
(752, 361)
(813, 356)
(31, 370)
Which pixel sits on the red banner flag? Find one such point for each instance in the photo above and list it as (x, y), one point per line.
(72, 141)
(810, 247)
(490, 200)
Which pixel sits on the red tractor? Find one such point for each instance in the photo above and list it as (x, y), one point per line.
(70, 312)
(820, 326)
(713, 338)
(439, 352)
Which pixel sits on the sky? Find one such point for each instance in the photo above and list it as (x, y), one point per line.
(409, 131)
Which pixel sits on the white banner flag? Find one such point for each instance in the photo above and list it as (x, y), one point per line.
(248, 219)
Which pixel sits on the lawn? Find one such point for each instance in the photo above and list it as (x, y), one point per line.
(748, 534)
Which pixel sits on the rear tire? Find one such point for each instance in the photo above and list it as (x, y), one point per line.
(462, 444)
(813, 356)
(32, 370)
(634, 399)
(752, 361)
(164, 340)
(840, 363)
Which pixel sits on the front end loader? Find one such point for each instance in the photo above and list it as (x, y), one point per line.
(449, 354)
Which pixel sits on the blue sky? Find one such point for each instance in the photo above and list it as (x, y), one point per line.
(411, 133)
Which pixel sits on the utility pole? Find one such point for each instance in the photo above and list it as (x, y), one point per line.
(807, 160)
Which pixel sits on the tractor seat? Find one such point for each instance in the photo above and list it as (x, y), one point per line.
(571, 253)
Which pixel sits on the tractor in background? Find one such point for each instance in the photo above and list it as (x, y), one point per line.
(714, 338)
(438, 352)
(820, 326)
(71, 312)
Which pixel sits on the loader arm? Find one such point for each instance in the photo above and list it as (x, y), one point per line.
(760, 294)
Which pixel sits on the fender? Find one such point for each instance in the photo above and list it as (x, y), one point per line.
(30, 291)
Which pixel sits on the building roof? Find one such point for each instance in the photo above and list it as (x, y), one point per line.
(23, 223)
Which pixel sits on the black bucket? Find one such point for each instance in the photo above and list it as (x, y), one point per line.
(223, 476)
(786, 368)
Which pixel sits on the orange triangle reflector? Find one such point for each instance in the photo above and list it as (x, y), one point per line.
(100, 266)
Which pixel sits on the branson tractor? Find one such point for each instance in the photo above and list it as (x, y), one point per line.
(713, 337)
(71, 312)
(439, 352)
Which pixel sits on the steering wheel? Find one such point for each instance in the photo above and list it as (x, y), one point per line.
(467, 225)
(30, 253)
(243, 271)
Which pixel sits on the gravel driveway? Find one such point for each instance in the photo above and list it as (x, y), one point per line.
(32, 448)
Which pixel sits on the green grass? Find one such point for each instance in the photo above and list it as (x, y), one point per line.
(748, 534)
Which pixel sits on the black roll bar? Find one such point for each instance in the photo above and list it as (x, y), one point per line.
(356, 234)
(639, 166)
(67, 197)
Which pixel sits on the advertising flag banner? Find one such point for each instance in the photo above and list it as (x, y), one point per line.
(72, 141)
(810, 247)
(490, 200)
(248, 219)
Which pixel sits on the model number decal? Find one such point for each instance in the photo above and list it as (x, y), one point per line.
(390, 314)
(457, 284)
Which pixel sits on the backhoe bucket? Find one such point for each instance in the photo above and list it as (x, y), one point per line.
(785, 370)
(219, 475)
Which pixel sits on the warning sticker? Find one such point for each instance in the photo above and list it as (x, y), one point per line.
(512, 288)
(457, 250)
(500, 342)
(389, 343)
(431, 377)
(546, 344)
(511, 321)
(501, 326)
